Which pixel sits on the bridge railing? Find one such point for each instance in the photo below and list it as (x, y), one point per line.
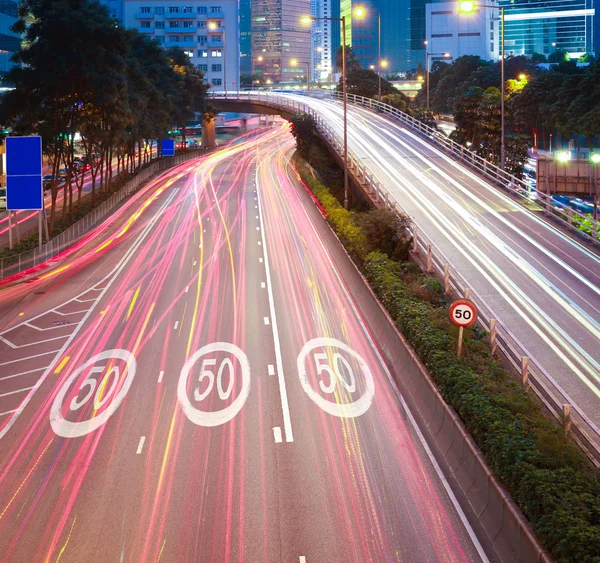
(578, 222)
(532, 373)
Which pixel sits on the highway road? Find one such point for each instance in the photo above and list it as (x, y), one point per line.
(542, 284)
(195, 383)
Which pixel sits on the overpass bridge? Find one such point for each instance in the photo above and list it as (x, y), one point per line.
(537, 286)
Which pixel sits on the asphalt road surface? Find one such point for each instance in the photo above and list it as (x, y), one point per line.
(195, 383)
(541, 283)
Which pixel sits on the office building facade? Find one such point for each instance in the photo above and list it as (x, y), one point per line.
(207, 31)
(278, 37)
(245, 37)
(10, 42)
(534, 26)
(324, 43)
(449, 31)
(403, 32)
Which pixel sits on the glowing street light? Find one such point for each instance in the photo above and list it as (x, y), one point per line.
(595, 158)
(522, 77)
(470, 7)
(563, 156)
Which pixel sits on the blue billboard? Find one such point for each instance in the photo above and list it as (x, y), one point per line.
(168, 147)
(24, 189)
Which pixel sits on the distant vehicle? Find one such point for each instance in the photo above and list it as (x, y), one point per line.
(2, 198)
(48, 179)
(62, 173)
(582, 206)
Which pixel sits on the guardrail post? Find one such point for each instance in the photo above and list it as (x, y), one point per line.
(525, 372)
(567, 418)
(429, 259)
(570, 216)
(415, 248)
(493, 336)
(447, 279)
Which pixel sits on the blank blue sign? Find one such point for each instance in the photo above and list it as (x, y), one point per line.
(24, 189)
(168, 147)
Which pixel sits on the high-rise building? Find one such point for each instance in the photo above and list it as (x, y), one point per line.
(278, 36)
(449, 31)
(245, 37)
(542, 26)
(402, 32)
(207, 31)
(10, 42)
(324, 39)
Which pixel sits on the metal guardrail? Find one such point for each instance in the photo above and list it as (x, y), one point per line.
(568, 217)
(12, 265)
(532, 373)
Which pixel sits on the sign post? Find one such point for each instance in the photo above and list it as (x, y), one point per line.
(24, 191)
(463, 312)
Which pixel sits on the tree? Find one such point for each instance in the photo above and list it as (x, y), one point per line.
(558, 56)
(538, 58)
(352, 62)
(365, 82)
(303, 130)
(190, 94)
(466, 115)
(397, 100)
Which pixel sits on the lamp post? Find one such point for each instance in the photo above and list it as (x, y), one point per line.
(213, 25)
(469, 7)
(427, 56)
(308, 20)
(295, 62)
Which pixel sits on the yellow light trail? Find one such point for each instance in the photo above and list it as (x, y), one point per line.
(62, 365)
(135, 296)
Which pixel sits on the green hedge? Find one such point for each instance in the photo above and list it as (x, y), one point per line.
(551, 480)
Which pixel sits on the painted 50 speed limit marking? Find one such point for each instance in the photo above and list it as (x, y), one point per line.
(219, 376)
(99, 391)
(333, 366)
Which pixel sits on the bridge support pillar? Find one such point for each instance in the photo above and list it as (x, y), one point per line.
(208, 132)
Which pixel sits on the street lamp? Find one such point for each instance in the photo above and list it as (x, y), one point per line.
(427, 57)
(213, 26)
(307, 20)
(469, 7)
(295, 63)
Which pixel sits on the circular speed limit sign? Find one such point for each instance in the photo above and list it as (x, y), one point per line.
(463, 312)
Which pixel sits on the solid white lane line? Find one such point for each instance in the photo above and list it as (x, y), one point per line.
(141, 445)
(287, 422)
(8, 412)
(271, 369)
(160, 376)
(17, 391)
(22, 373)
(277, 435)
(176, 325)
(28, 358)
(266, 320)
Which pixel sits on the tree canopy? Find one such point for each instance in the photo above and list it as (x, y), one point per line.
(78, 72)
(365, 82)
